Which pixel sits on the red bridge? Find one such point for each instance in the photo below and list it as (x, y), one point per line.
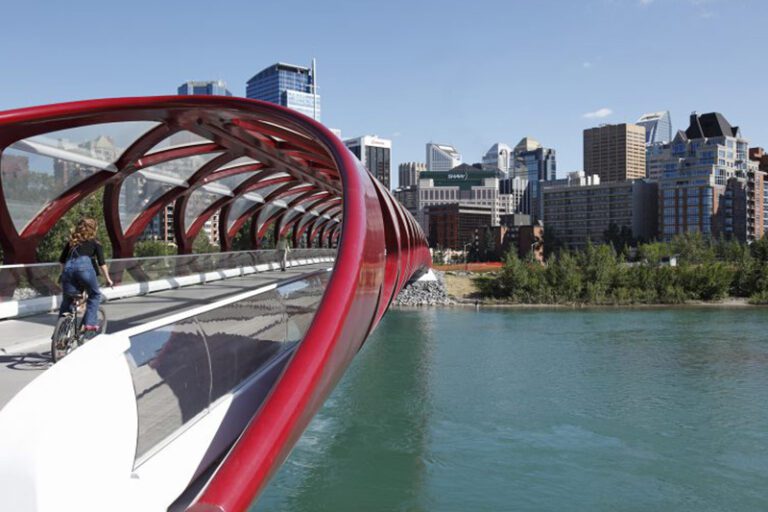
(190, 400)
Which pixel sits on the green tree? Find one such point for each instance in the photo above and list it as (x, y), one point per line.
(598, 264)
(202, 244)
(242, 239)
(564, 278)
(149, 248)
(50, 247)
(619, 237)
(759, 249)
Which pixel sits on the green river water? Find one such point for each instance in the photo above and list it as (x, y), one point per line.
(543, 410)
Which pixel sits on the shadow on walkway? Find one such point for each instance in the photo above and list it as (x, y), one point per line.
(32, 361)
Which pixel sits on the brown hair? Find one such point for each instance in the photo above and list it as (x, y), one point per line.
(85, 230)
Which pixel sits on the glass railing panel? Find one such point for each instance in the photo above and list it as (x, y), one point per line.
(301, 300)
(18, 282)
(178, 370)
(242, 338)
(171, 377)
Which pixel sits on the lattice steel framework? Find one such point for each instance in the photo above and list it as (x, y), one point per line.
(246, 160)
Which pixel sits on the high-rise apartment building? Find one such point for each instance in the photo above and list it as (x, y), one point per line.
(207, 87)
(408, 173)
(615, 152)
(287, 85)
(658, 127)
(757, 178)
(375, 154)
(703, 177)
(582, 208)
(442, 157)
(499, 157)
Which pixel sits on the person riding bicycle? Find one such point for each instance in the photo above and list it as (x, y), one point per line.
(81, 259)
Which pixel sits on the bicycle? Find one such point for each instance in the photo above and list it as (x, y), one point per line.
(69, 333)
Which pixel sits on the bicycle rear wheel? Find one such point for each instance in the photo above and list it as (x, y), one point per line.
(63, 339)
(102, 320)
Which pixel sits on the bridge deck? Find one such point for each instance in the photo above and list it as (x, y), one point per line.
(25, 343)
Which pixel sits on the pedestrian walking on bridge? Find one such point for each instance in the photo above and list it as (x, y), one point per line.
(283, 248)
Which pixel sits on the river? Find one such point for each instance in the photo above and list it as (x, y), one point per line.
(542, 410)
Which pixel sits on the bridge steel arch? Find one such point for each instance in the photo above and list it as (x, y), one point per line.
(273, 150)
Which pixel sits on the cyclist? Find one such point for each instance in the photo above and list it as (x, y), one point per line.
(81, 259)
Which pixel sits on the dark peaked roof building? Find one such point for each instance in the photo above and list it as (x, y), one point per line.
(707, 184)
(710, 125)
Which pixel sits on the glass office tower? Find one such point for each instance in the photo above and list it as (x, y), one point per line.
(287, 85)
(207, 87)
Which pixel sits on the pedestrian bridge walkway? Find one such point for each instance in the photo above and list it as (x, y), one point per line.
(25, 340)
(178, 375)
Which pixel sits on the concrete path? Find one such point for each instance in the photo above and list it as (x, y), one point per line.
(25, 343)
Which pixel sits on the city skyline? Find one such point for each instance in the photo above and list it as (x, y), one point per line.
(423, 84)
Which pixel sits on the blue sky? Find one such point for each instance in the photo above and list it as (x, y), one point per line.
(458, 72)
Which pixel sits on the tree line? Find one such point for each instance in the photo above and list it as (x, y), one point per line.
(706, 269)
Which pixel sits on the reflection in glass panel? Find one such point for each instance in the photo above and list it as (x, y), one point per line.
(179, 139)
(285, 200)
(291, 215)
(231, 182)
(136, 194)
(171, 379)
(243, 160)
(301, 300)
(178, 170)
(265, 191)
(242, 338)
(239, 207)
(266, 213)
(305, 220)
(38, 169)
(199, 200)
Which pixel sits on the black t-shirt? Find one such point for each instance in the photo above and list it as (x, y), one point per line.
(90, 248)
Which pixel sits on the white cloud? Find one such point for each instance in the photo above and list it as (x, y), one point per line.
(586, 64)
(598, 114)
(396, 134)
(646, 2)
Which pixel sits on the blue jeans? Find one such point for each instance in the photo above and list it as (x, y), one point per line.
(79, 275)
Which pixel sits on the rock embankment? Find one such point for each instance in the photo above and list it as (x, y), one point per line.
(425, 293)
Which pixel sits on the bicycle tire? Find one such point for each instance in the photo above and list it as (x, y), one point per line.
(63, 332)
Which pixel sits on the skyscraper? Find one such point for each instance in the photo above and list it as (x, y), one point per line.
(287, 85)
(208, 87)
(534, 163)
(408, 173)
(704, 181)
(442, 157)
(498, 157)
(375, 154)
(615, 152)
(658, 127)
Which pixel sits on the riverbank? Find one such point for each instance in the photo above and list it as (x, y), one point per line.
(458, 288)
